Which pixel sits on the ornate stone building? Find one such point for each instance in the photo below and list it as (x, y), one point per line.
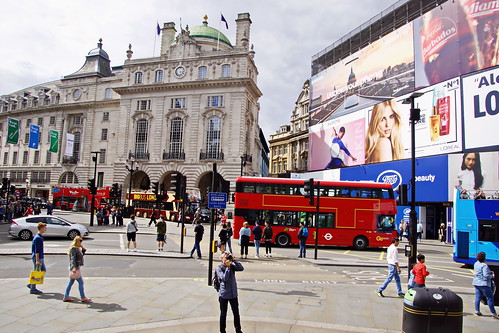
(194, 105)
(289, 146)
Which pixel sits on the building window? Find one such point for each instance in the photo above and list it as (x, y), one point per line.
(77, 120)
(159, 76)
(77, 146)
(176, 135)
(40, 122)
(213, 137)
(5, 158)
(48, 158)
(37, 157)
(25, 157)
(144, 105)
(141, 139)
(105, 116)
(52, 120)
(215, 101)
(107, 93)
(103, 135)
(178, 103)
(102, 156)
(138, 77)
(100, 179)
(69, 178)
(14, 158)
(225, 70)
(28, 122)
(202, 72)
(26, 138)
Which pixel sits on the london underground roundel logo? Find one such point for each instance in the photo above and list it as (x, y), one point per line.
(390, 177)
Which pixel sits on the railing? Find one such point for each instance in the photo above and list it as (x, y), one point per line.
(212, 155)
(138, 155)
(173, 156)
(69, 160)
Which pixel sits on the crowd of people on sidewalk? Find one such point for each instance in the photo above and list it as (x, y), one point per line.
(20, 208)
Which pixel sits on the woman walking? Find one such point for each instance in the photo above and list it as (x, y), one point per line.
(76, 252)
(244, 238)
(483, 285)
(131, 233)
(230, 232)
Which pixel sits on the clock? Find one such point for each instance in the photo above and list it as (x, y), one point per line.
(180, 71)
(76, 94)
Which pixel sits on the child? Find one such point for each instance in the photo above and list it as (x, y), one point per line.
(420, 272)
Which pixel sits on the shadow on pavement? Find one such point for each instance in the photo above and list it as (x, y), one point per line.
(288, 293)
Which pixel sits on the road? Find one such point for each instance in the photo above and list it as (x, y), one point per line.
(335, 265)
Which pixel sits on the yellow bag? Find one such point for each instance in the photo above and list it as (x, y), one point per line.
(36, 277)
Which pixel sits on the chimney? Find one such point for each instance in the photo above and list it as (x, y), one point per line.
(167, 37)
(243, 23)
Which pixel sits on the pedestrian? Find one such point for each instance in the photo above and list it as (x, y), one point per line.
(223, 235)
(257, 235)
(131, 233)
(29, 211)
(392, 257)
(226, 274)
(244, 238)
(302, 238)
(75, 252)
(50, 208)
(37, 255)
(268, 235)
(105, 214)
(153, 218)
(119, 216)
(113, 214)
(483, 284)
(198, 237)
(442, 232)
(197, 216)
(99, 216)
(419, 231)
(230, 233)
(161, 232)
(420, 272)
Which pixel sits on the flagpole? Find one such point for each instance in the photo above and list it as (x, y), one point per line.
(155, 37)
(218, 37)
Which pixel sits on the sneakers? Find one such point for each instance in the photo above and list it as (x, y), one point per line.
(379, 293)
(401, 295)
(86, 299)
(67, 300)
(36, 292)
(495, 316)
(478, 314)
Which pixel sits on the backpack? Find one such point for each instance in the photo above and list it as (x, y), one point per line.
(216, 281)
(304, 232)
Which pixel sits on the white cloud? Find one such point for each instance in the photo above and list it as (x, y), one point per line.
(43, 41)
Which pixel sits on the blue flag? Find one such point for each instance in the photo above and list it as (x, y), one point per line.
(158, 29)
(34, 136)
(224, 20)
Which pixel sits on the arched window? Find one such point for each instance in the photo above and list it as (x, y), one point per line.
(107, 93)
(138, 77)
(141, 139)
(69, 178)
(176, 136)
(202, 72)
(213, 137)
(225, 70)
(77, 146)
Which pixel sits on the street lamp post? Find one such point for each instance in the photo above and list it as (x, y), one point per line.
(415, 116)
(92, 204)
(131, 170)
(245, 158)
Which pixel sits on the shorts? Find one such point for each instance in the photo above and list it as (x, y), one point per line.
(130, 236)
(160, 238)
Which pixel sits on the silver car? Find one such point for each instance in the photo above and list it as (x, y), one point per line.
(26, 227)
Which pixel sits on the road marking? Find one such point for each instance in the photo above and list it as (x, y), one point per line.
(122, 242)
(346, 252)
(381, 255)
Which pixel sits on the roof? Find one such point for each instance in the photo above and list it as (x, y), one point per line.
(208, 32)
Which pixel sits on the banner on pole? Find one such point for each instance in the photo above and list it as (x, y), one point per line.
(34, 136)
(70, 140)
(13, 130)
(54, 141)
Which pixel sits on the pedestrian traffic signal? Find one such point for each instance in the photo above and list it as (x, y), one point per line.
(115, 191)
(176, 185)
(5, 184)
(91, 186)
(309, 190)
(12, 189)
(155, 188)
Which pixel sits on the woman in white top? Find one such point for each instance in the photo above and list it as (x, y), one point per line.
(470, 178)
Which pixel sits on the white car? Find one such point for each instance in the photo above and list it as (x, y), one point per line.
(26, 227)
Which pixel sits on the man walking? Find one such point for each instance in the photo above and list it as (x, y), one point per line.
(161, 233)
(392, 257)
(257, 234)
(37, 254)
(226, 274)
(198, 236)
(302, 237)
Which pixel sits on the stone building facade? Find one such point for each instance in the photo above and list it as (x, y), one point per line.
(194, 105)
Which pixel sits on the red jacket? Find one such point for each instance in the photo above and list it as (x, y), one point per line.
(420, 273)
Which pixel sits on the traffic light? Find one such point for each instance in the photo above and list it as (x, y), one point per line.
(402, 199)
(155, 188)
(176, 185)
(5, 184)
(309, 191)
(91, 186)
(115, 190)
(12, 189)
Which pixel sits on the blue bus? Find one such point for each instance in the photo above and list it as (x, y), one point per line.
(476, 227)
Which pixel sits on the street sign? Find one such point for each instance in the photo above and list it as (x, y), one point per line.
(217, 200)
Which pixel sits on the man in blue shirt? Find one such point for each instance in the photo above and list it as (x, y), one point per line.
(257, 234)
(226, 274)
(336, 161)
(37, 254)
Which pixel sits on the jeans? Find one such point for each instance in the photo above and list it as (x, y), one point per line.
(392, 273)
(229, 245)
(80, 287)
(196, 248)
(234, 305)
(42, 268)
(487, 292)
(303, 247)
(257, 247)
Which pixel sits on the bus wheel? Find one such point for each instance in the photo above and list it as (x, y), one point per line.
(360, 243)
(283, 239)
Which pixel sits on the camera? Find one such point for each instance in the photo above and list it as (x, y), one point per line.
(229, 257)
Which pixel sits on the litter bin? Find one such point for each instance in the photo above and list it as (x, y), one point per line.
(432, 310)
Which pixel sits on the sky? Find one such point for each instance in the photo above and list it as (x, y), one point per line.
(45, 40)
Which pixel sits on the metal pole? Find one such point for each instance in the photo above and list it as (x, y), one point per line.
(92, 205)
(413, 214)
(212, 227)
(317, 220)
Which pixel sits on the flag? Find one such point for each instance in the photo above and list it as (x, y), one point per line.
(34, 136)
(224, 20)
(158, 29)
(70, 140)
(13, 130)
(54, 141)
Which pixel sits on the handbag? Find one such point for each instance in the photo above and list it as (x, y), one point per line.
(75, 275)
(37, 276)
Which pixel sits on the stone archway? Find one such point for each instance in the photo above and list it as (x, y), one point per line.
(205, 182)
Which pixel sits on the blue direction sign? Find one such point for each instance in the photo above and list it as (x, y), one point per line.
(217, 200)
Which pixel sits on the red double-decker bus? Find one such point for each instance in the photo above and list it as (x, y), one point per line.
(144, 204)
(353, 214)
(80, 199)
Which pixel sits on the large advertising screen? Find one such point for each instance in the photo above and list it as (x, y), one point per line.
(481, 110)
(382, 133)
(380, 71)
(456, 38)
